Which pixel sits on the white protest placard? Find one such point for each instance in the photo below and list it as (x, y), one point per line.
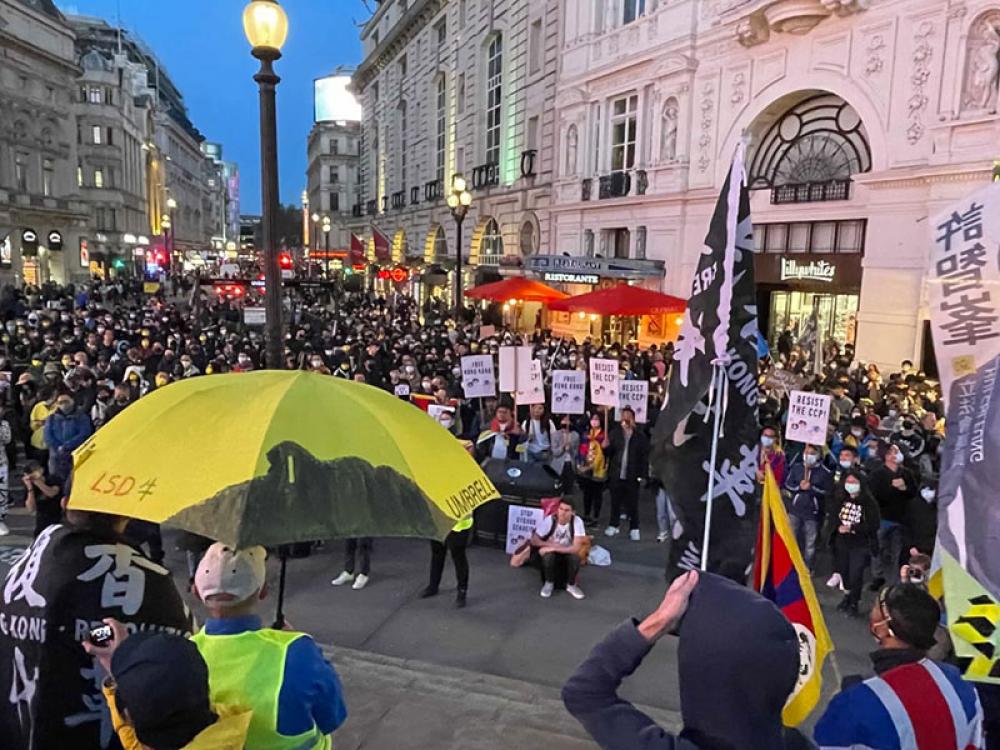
(634, 393)
(531, 390)
(478, 378)
(604, 382)
(808, 415)
(515, 367)
(436, 410)
(402, 390)
(569, 391)
(486, 332)
(521, 522)
(254, 316)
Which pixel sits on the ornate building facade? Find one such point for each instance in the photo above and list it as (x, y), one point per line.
(459, 87)
(862, 119)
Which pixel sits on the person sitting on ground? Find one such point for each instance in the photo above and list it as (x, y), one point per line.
(557, 541)
(912, 702)
(738, 661)
(295, 694)
(157, 691)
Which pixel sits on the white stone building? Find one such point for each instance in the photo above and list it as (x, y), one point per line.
(42, 220)
(463, 86)
(333, 183)
(863, 119)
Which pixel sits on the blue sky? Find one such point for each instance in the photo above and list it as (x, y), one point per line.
(201, 44)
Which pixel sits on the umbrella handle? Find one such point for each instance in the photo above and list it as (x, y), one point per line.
(279, 618)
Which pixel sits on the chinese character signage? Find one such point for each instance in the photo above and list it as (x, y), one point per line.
(964, 284)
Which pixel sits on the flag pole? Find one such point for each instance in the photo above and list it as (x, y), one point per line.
(718, 381)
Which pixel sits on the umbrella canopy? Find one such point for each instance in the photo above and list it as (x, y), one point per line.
(516, 287)
(275, 457)
(622, 300)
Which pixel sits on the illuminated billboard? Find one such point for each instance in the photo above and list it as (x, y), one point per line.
(333, 102)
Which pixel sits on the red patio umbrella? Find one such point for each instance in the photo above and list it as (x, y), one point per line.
(516, 287)
(622, 300)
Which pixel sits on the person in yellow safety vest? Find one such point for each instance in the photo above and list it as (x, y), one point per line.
(295, 694)
(456, 541)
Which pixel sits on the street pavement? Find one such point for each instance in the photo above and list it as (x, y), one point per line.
(421, 673)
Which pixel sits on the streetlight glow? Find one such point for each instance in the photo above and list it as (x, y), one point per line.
(171, 204)
(265, 25)
(458, 183)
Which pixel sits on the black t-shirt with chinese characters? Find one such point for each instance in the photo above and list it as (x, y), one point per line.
(67, 582)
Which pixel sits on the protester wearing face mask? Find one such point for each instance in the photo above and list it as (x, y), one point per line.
(771, 454)
(807, 485)
(908, 438)
(592, 470)
(628, 466)
(894, 488)
(912, 702)
(856, 519)
(65, 431)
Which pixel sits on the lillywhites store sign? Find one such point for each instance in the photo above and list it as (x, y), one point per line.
(815, 270)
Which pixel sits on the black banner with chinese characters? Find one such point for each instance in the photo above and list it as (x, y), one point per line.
(67, 582)
(720, 324)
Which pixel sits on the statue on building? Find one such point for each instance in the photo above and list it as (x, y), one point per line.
(668, 134)
(572, 143)
(982, 86)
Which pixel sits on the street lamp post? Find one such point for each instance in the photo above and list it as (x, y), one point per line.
(314, 246)
(266, 28)
(459, 201)
(172, 242)
(327, 226)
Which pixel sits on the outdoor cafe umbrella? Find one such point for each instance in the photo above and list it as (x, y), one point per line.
(623, 299)
(276, 457)
(516, 287)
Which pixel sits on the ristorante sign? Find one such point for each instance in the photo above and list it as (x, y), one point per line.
(817, 270)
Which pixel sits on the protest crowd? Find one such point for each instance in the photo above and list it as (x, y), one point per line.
(860, 501)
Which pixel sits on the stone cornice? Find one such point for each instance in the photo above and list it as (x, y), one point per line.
(923, 176)
(413, 21)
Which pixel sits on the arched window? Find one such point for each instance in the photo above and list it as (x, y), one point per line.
(529, 238)
(819, 140)
(441, 118)
(494, 97)
(492, 243)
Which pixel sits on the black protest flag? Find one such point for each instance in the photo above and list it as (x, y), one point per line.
(717, 346)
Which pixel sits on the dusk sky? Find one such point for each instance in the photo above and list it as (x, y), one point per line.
(201, 44)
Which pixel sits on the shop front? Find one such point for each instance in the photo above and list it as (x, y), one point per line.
(793, 287)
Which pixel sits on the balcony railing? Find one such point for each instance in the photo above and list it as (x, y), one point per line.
(399, 199)
(372, 208)
(414, 195)
(357, 211)
(485, 175)
(812, 192)
(433, 191)
(614, 185)
(586, 187)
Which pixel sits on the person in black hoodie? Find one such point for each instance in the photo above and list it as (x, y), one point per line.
(855, 526)
(738, 661)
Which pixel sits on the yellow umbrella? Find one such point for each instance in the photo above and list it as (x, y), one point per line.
(276, 457)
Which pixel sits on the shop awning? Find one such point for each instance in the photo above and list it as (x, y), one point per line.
(622, 300)
(516, 287)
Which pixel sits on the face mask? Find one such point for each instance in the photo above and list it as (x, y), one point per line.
(344, 366)
(446, 423)
(846, 464)
(410, 369)
(857, 432)
(893, 413)
(66, 408)
(766, 440)
(852, 488)
(810, 459)
(456, 371)
(927, 494)
(897, 457)
(243, 359)
(317, 363)
(426, 385)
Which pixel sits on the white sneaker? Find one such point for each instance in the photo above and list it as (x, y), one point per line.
(663, 536)
(634, 535)
(611, 531)
(835, 582)
(546, 591)
(4, 529)
(623, 517)
(361, 582)
(575, 591)
(343, 578)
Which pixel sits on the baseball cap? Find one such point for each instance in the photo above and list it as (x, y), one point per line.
(238, 573)
(162, 680)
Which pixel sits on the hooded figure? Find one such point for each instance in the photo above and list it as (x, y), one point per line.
(738, 661)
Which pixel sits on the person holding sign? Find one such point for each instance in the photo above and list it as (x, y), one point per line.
(628, 465)
(503, 437)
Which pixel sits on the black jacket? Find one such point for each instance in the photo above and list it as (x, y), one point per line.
(893, 504)
(638, 454)
(738, 660)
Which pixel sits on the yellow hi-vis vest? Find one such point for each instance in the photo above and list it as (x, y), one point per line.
(248, 669)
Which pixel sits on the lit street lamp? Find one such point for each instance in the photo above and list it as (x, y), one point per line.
(459, 201)
(266, 28)
(327, 226)
(169, 224)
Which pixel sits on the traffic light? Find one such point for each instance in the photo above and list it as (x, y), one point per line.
(285, 261)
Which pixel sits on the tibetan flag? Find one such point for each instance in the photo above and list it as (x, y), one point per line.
(780, 574)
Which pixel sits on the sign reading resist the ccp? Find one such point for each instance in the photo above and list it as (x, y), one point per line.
(808, 415)
(521, 522)
(634, 393)
(569, 391)
(478, 379)
(532, 389)
(604, 382)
